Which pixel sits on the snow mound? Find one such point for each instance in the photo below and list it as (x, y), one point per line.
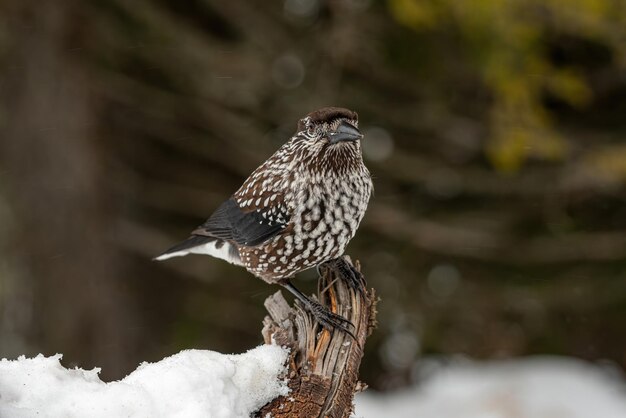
(542, 387)
(192, 383)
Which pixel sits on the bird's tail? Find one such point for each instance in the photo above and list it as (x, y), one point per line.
(198, 244)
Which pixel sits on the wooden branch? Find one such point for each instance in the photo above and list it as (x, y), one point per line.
(323, 366)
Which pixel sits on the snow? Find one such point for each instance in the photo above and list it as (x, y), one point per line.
(192, 383)
(542, 387)
(197, 383)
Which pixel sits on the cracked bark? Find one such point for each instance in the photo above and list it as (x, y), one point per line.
(323, 365)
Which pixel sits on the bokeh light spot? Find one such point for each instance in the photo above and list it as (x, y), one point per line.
(288, 71)
(302, 8)
(400, 350)
(377, 144)
(443, 280)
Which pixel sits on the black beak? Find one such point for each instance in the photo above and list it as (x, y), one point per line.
(345, 132)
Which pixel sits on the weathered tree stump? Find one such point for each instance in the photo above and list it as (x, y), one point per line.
(323, 365)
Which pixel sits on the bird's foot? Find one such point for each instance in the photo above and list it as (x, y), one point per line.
(324, 316)
(328, 319)
(349, 274)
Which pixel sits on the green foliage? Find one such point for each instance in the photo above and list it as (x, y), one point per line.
(508, 44)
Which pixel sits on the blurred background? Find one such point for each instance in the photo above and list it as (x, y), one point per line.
(494, 131)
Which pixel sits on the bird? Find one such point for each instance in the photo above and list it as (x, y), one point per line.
(297, 210)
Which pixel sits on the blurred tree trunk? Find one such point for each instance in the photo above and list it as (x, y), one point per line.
(53, 176)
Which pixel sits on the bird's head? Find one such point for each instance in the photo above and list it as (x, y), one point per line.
(330, 126)
(329, 139)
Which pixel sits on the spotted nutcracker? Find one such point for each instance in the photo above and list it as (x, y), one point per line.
(299, 209)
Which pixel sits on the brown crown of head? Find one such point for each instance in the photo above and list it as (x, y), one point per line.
(327, 115)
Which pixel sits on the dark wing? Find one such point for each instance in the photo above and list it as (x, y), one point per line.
(245, 226)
